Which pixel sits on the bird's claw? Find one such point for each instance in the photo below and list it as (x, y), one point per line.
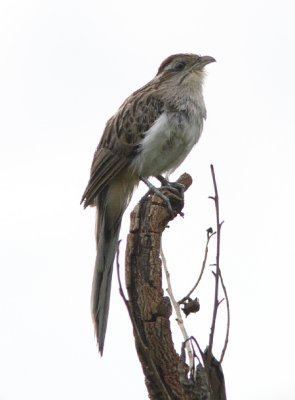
(172, 186)
(176, 188)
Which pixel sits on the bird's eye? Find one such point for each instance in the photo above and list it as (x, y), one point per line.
(179, 66)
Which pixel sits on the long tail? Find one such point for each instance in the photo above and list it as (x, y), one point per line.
(111, 205)
(102, 279)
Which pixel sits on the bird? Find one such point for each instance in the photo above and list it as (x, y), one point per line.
(151, 134)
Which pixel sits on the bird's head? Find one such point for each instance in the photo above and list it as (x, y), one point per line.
(181, 67)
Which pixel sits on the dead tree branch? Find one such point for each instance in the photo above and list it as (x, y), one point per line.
(166, 373)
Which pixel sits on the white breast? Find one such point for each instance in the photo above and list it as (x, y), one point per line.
(167, 143)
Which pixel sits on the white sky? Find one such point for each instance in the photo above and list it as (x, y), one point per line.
(65, 68)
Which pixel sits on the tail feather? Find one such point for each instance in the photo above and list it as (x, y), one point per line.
(102, 280)
(111, 204)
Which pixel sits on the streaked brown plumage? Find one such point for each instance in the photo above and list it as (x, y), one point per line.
(151, 133)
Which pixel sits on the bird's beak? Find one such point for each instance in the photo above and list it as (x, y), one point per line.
(204, 60)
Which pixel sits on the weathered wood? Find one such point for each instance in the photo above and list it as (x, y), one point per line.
(166, 374)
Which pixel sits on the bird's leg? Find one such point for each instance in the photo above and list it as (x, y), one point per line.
(174, 186)
(153, 189)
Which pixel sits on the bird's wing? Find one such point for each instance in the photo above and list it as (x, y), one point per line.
(106, 165)
(121, 140)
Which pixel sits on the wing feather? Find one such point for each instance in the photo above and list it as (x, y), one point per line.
(121, 140)
(106, 166)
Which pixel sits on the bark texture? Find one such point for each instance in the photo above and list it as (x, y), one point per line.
(166, 374)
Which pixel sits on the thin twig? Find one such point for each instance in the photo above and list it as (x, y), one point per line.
(209, 236)
(228, 318)
(220, 301)
(217, 273)
(119, 278)
(192, 338)
(176, 307)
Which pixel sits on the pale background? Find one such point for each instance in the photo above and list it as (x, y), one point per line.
(66, 65)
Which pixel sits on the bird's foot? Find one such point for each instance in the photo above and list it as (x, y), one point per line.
(176, 188)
